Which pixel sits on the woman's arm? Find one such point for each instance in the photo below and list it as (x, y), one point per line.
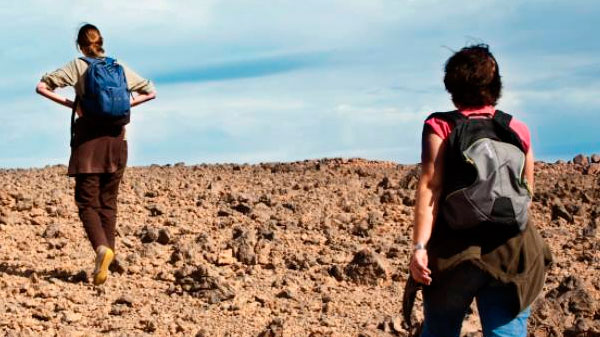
(529, 166)
(428, 194)
(43, 90)
(141, 98)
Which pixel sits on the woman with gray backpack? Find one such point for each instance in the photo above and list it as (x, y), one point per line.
(103, 89)
(473, 235)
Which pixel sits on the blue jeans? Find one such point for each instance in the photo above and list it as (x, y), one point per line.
(446, 303)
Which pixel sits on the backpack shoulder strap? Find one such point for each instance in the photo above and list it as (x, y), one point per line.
(502, 118)
(88, 60)
(452, 117)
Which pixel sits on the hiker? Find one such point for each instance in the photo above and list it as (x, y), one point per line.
(473, 237)
(100, 110)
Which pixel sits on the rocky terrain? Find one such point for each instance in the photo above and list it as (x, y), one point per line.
(313, 248)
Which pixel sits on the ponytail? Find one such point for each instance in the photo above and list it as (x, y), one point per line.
(89, 40)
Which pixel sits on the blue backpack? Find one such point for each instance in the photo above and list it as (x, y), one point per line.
(106, 97)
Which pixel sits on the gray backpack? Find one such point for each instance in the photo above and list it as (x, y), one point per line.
(484, 181)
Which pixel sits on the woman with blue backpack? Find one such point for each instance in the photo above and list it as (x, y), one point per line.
(103, 89)
(473, 235)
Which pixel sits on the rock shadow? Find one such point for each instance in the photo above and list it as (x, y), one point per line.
(60, 274)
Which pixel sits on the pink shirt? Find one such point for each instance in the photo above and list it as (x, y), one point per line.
(443, 129)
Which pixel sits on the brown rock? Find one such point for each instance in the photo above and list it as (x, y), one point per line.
(274, 329)
(200, 282)
(164, 237)
(243, 245)
(53, 231)
(149, 234)
(225, 257)
(593, 169)
(580, 159)
(367, 267)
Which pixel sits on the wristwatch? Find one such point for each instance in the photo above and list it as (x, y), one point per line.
(418, 246)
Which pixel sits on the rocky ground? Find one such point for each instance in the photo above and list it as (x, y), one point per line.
(313, 248)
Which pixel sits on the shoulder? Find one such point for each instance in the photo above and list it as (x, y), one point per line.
(519, 126)
(440, 123)
(77, 65)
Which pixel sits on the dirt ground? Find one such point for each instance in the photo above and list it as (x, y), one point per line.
(263, 250)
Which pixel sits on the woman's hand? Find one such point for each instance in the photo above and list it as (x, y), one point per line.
(141, 98)
(418, 267)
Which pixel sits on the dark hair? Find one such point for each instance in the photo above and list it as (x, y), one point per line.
(89, 40)
(473, 77)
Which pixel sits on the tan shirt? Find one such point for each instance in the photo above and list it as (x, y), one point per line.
(73, 74)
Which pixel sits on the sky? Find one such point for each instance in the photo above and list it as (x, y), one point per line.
(250, 81)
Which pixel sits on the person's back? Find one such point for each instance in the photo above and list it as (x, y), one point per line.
(462, 252)
(98, 150)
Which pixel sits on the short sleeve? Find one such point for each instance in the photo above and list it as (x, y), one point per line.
(136, 82)
(61, 77)
(439, 127)
(522, 131)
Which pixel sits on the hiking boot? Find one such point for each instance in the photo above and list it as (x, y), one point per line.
(104, 257)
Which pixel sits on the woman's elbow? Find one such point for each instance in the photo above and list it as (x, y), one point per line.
(40, 87)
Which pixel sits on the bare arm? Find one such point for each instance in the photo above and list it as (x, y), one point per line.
(141, 98)
(43, 90)
(428, 194)
(529, 166)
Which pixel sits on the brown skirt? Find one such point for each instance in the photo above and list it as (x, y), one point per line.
(97, 149)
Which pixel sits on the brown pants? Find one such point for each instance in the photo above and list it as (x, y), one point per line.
(96, 199)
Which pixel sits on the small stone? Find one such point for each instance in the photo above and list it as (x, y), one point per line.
(225, 257)
(163, 236)
(243, 246)
(337, 272)
(243, 208)
(287, 293)
(386, 324)
(224, 212)
(149, 234)
(595, 158)
(262, 299)
(71, 317)
(155, 209)
(559, 211)
(367, 267)
(53, 231)
(118, 266)
(125, 300)
(593, 169)
(580, 159)
(274, 329)
(396, 324)
(24, 205)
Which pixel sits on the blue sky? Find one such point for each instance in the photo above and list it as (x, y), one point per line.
(255, 81)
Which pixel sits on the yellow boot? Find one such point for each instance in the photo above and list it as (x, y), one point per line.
(104, 257)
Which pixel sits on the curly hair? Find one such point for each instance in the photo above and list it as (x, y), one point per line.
(472, 77)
